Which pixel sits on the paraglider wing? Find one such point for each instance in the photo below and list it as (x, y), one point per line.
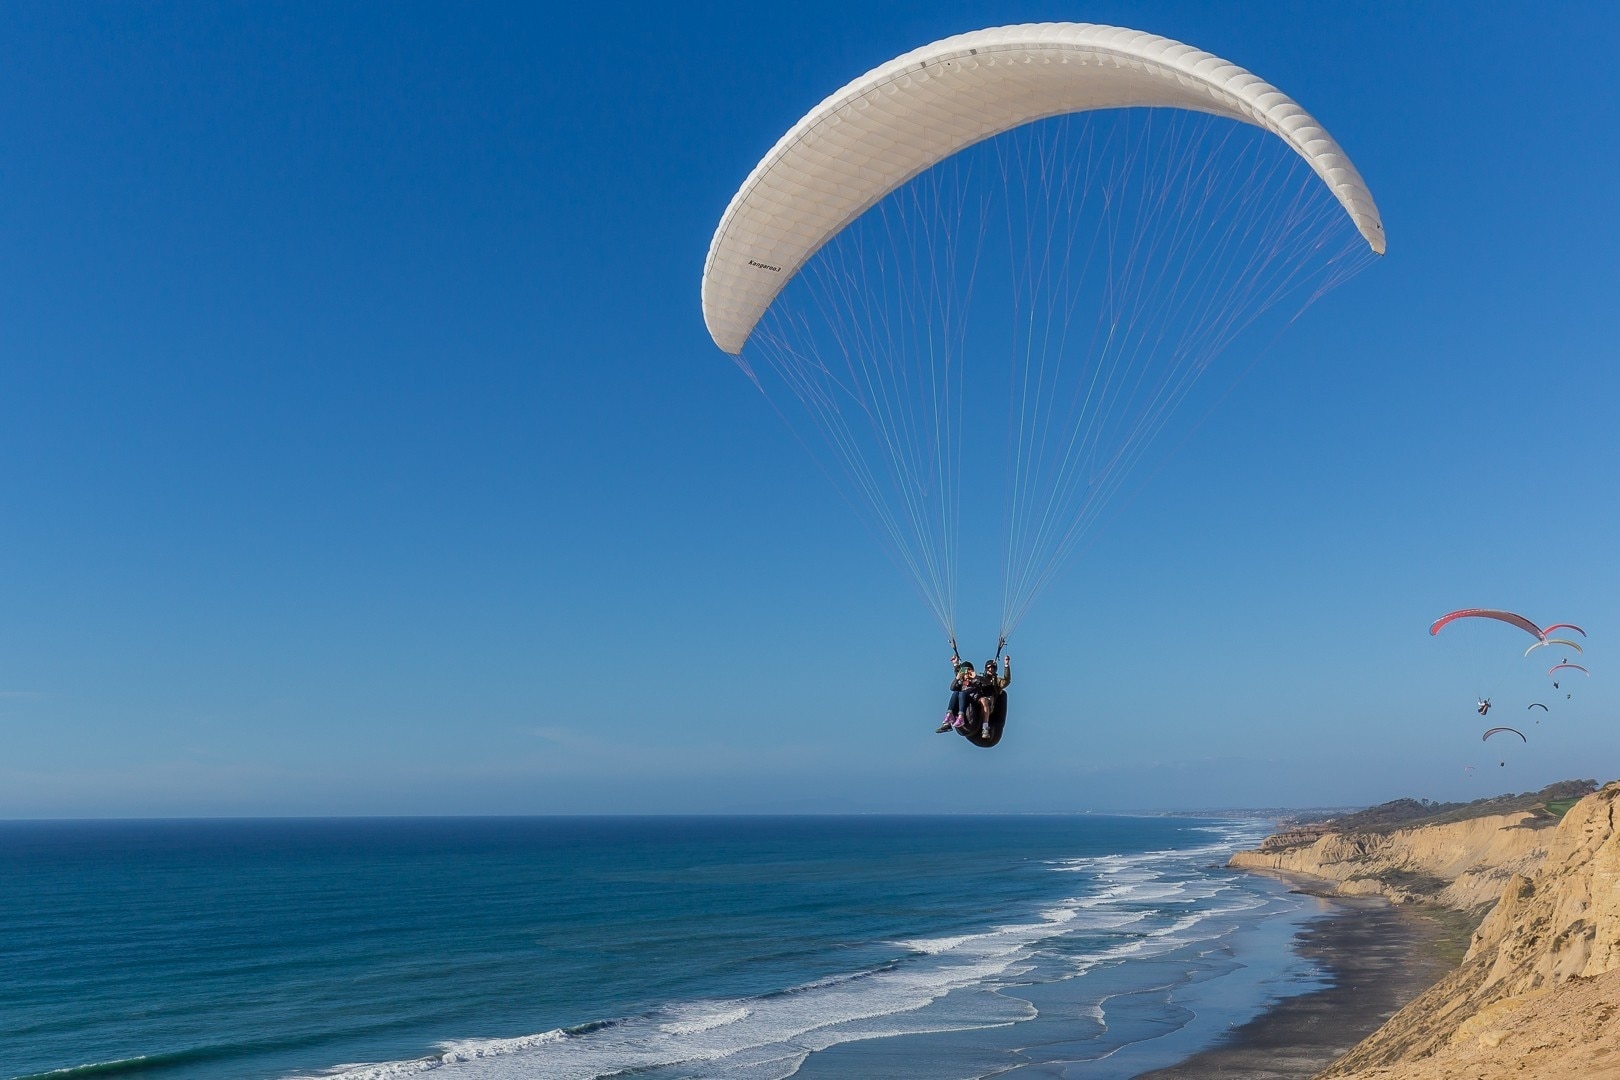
(1488, 613)
(1537, 705)
(899, 119)
(1577, 667)
(1564, 626)
(1554, 641)
(846, 272)
(1495, 730)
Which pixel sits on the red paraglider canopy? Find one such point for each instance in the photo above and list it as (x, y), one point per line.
(1488, 613)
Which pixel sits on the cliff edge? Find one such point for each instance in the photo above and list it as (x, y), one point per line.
(1462, 864)
(1538, 993)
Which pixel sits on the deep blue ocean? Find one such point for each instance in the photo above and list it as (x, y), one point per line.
(743, 948)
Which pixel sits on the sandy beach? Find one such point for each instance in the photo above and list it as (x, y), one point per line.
(1378, 956)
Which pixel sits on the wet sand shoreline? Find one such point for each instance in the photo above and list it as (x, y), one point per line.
(1378, 956)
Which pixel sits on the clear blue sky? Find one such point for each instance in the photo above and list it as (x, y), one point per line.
(362, 449)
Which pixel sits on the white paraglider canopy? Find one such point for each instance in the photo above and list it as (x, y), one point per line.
(890, 124)
(992, 270)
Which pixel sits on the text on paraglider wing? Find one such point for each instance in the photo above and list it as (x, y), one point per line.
(765, 266)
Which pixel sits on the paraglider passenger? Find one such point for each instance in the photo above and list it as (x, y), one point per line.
(956, 711)
(987, 686)
(1484, 705)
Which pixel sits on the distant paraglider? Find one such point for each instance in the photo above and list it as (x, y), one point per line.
(1543, 636)
(1554, 641)
(1512, 619)
(1489, 613)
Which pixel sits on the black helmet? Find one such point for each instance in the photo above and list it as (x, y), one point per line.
(989, 665)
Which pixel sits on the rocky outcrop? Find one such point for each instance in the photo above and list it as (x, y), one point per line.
(1538, 994)
(1461, 864)
(1293, 838)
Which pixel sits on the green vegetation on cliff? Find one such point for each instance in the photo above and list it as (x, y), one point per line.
(1552, 800)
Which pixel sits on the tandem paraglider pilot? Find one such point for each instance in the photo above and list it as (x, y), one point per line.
(978, 706)
(855, 267)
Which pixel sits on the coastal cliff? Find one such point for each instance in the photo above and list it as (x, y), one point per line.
(1463, 864)
(1538, 992)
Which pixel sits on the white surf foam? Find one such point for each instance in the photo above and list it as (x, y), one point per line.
(706, 1022)
(934, 946)
(767, 1037)
(1144, 904)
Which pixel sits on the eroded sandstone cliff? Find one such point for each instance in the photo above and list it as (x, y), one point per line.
(1538, 993)
(1462, 864)
(1570, 1034)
